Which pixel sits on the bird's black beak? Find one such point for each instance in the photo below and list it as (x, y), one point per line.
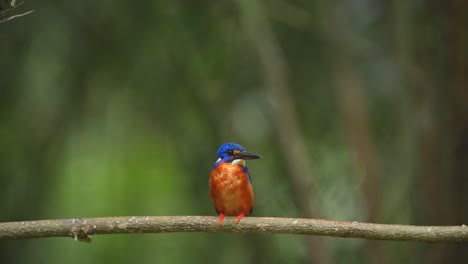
(246, 155)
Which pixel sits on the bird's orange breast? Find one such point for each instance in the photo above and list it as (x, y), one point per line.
(230, 190)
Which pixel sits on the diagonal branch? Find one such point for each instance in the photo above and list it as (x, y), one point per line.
(82, 228)
(15, 16)
(7, 7)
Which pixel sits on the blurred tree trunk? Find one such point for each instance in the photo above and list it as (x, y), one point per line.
(356, 124)
(273, 67)
(458, 103)
(355, 112)
(426, 77)
(353, 104)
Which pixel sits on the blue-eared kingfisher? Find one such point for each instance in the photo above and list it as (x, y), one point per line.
(230, 183)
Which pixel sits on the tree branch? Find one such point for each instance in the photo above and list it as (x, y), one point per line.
(7, 7)
(82, 228)
(15, 16)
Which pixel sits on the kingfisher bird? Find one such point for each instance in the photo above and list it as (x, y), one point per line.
(230, 183)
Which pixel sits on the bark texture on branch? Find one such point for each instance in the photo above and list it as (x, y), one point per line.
(82, 228)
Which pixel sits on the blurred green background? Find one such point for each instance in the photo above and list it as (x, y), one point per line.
(112, 108)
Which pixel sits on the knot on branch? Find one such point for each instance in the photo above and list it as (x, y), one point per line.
(79, 230)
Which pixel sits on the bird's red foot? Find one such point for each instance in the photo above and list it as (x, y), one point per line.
(221, 217)
(239, 217)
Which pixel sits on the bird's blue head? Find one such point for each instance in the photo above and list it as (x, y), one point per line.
(229, 152)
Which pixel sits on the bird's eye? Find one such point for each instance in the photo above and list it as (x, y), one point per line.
(230, 152)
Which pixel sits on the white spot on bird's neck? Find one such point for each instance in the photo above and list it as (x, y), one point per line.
(238, 162)
(218, 160)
